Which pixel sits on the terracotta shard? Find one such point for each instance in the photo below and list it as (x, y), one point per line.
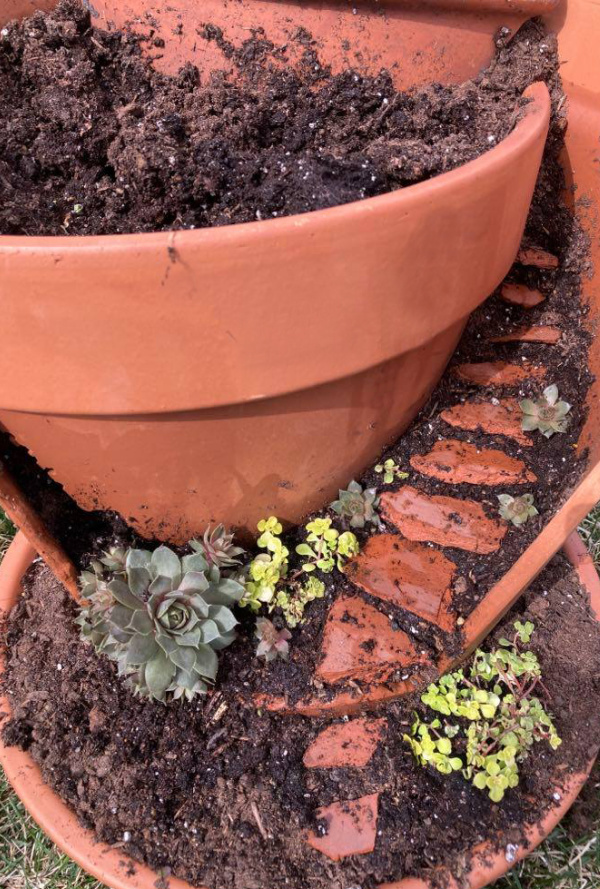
(351, 828)
(537, 257)
(359, 643)
(459, 462)
(498, 373)
(408, 574)
(345, 744)
(543, 333)
(446, 521)
(503, 418)
(520, 295)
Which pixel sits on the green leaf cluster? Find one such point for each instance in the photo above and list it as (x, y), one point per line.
(547, 414)
(293, 599)
(160, 617)
(325, 548)
(391, 471)
(267, 569)
(499, 717)
(517, 510)
(357, 506)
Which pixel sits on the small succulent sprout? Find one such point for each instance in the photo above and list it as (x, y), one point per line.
(218, 548)
(391, 471)
(358, 506)
(517, 510)
(293, 599)
(267, 569)
(273, 643)
(163, 622)
(547, 414)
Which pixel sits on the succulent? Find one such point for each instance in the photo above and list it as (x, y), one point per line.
(217, 547)
(547, 414)
(273, 643)
(391, 471)
(293, 599)
(358, 506)
(325, 547)
(162, 621)
(267, 569)
(92, 578)
(502, 719)
(517, 510)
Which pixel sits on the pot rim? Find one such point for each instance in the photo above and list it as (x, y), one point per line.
(524, 132)
(60, 824)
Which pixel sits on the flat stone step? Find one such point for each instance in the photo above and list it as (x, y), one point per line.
(408, 574)
(446, 521)
(543, 333)
(345, 744)
(498, 373)
(535, 256)
(520, 295)
(503, 418)
(350, 828)
(458, 462)
(360, 643)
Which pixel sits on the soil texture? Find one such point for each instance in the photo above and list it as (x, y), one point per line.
(217, 792)
(96, 141)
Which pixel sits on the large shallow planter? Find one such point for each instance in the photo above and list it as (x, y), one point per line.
(107, 864)
(166, 376)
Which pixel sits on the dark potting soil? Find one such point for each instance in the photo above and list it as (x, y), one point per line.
(217, 793)
(95, 141)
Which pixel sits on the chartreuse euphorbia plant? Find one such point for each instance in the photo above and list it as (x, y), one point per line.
(490, 718)
(160, 617)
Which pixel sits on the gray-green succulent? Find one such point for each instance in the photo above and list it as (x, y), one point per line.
(517, 510)
(218, 548)
(547, 414)
(162, 618)
(358, 506)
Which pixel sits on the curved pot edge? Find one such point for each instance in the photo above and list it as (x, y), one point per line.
(526, 130)
(107, 865)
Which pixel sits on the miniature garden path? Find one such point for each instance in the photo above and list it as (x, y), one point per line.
(413, 566)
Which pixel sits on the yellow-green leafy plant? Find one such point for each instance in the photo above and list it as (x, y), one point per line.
(161, 618)
(267, 569)
(390, 471)
(547, 414)
(272, 643)
(270, 581)
(517, 510)
(490, 718)
(357, 506)
(325, 548)
(294, 598)
(218, 548)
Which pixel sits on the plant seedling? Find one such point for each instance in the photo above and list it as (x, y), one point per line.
(273, 643)
(547, 414)
(517, 510)
(391, 471)
(357, 506)
(499, 718)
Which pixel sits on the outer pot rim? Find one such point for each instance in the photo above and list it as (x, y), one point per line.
(106, 864)
(525, 131)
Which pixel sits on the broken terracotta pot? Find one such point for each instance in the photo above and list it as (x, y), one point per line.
(193, 404)
(352, 828)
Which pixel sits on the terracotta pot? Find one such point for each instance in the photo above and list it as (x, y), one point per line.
(166, 376)
(107, 864)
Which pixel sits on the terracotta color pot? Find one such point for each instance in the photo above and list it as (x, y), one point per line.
(165, 375)
(107, 864)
